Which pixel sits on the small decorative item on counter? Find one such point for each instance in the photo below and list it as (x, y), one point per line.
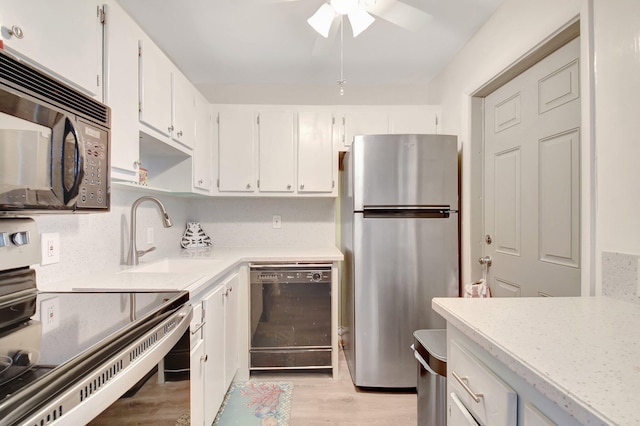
(194, 236)
(143, 175)
(479, 288)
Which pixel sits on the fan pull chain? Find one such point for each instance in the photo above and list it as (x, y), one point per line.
(342, 81)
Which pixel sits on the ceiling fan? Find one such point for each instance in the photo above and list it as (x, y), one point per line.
(359, 14)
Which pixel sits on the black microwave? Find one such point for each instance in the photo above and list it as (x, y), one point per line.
(54, 144)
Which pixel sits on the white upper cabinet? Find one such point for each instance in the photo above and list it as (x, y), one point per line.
(315, 152)
(204, 143)
(63, 37)
(236, 151)
(374, 122)
(418, 120)
(276, 142)
(121, 80)
(183, 109)
(155, 88)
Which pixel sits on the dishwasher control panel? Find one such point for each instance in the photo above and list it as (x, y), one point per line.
(290, 273)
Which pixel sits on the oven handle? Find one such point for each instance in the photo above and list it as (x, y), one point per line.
(18, 296)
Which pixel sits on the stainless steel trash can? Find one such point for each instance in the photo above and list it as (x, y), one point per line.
(430, 349)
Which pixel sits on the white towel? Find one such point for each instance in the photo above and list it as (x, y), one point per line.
(479, 288)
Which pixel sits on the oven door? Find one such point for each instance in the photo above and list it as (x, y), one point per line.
(75, 391)
(54, 144)
(41, 160)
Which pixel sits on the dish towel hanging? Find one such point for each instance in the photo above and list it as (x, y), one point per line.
(478, 288)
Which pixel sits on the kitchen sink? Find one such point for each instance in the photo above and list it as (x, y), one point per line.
(177, 266)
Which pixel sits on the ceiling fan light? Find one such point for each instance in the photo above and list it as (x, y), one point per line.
(321, 20)
(360, 21)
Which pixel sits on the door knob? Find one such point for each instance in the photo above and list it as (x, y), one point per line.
(486, 260)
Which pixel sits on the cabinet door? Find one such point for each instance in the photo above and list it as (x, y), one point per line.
(458, 413)
(155, 87)
(196, 386)
(214, 385)
(365, 123)
(183, 108)
(315, 152)
(63, 37)
(232, 286)
(121, 80)
(203, 149)
(414, 121)
(236, 155)
(276, 152)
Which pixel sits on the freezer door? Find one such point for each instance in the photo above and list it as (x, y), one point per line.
(395, 170)
(400, 264)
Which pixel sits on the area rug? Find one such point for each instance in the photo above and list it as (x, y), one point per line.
(256, 403)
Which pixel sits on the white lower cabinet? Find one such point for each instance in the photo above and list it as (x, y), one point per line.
(214, 349)
(482, 390)
(488, 398)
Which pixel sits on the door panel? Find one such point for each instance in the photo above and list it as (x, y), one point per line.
(405, 170)
(532, 169)
(399, 266)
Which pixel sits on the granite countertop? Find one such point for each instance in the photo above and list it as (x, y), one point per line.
(583, 353)
(189, 269)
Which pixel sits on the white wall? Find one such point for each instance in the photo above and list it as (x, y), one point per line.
(100, 242)
(610, 37)
(515, 29)
(617, 125)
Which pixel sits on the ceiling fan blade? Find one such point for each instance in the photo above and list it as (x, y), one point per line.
(323, 46)
(400, 14)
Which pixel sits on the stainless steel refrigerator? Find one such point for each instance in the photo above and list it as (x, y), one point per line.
(399, 216)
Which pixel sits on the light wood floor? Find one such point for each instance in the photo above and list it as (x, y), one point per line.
(317, 400)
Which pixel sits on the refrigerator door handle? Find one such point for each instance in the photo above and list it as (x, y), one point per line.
(429, 212)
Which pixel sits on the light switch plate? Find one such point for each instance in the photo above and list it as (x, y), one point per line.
(50, 248)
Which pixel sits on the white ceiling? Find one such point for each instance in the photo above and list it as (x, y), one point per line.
(219, 43)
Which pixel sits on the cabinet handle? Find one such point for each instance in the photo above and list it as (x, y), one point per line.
(16, 32)
(200, 181)
(248, 186)
(288, 186)
(136, 164)
(463, 382)
(180, 133)
(204, 358)
(170, 128)
(302, 186)
(198, 327)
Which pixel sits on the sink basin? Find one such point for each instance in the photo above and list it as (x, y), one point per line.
(177, 266)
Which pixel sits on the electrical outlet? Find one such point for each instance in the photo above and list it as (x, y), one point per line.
(50, 314)
(50, 248)
(150, 235)
(277, 221)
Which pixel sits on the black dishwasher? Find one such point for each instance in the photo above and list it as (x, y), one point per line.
(290, 316)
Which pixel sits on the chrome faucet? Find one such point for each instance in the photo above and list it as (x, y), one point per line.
(134, 253)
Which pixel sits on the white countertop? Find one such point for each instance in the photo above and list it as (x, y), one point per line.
(189, 269)
(583, 353)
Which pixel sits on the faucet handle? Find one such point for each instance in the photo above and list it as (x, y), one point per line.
(143, 252)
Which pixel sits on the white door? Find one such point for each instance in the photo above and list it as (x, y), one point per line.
(63, 36)
(532, 179)
(236, 151)
(183, 109)
(214, 340)
(276, 151)
(155, 88)
(315, 152)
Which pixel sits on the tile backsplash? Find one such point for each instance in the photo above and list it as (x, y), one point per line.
(620, 275)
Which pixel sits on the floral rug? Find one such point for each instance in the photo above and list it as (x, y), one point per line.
(256, 403)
